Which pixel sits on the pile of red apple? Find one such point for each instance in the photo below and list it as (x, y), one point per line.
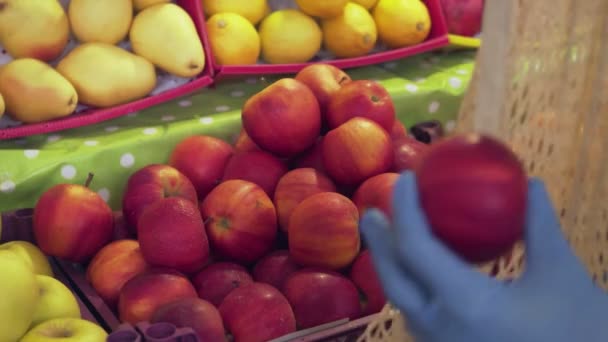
(260, 238)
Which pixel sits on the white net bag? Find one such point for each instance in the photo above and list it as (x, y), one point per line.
(541, 86)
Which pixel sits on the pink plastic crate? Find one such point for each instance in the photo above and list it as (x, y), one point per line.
(92, 116)
(437, 38)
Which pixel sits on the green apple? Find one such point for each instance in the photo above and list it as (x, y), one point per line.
(19, 295)
(56, 301)
(32, 254)
(66, 330)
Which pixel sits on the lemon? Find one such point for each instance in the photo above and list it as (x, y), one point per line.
(368, 4)
(253, 10)
(322, 8)
(352, 34)
(234, 40)
(402, 22)
(1, 105)
(289, 36)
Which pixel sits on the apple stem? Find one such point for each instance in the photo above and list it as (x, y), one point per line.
(343, 79)
(89, 179)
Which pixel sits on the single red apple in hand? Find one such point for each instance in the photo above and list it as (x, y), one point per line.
(294, 187)
(259, 167)
(473, 190)
(364, 275)
(357, 150)
(376, 192)
(406, 152)
(202, 159)
(72, 222)
(275, 268)
(171, 233)
(150, 184)
(257, 312)
(241, 220)
(195, 313)
(463, 17)
(361, 98)
(324, 231)
(216, 281)
(324, 80)
(318, 296)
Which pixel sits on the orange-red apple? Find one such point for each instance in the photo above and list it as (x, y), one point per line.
(216, 281)
(241, 220)
(357, 150)
(257, 312)
(202, 159)
(398, 130)
(324, 231)
(113, 266)
(143, 294)
(72, 222)
(324, 80)
(150, 184)
(284, 118)
(243, 143)
(319, 296)
(259, 167)
(275, 268)
(312, 157)
(406, 153)
(361, 98)
(294, 187)
(195, 313)
(376, 192)
(171, 234)
(365, 277)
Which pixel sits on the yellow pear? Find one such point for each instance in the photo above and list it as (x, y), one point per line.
(141, 4)
(165, 35)
(34, 92)
(20, 296)
(33, 28)
(106, 21)
(105, 75)
(1, 112)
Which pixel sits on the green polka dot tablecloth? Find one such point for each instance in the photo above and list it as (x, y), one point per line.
(429, 86)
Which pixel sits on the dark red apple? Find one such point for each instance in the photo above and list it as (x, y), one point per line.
(365, 277)
(463, 17)
(216, 281)
(324, 80)
(259, 167)
(318, 296)
(473, 189)
(361, 98)
(376, 192)
(275, 268)
(406, 152)
(257, 312)
(195, 313)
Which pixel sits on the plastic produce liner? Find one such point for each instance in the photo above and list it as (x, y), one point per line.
(541, 86)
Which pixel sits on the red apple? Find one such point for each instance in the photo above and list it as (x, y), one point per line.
(257, 312)
(195, 313)
(241, 220)
(244, 143)
(357, 150)
(202, 159)
(406, 153)
(312, 157)
(113, 266)
(463, 17)
(217, 280)
(72, 222)
(284, 118)
(143, 294)
(318, 296)
(324, 231)
(294, 187)
(121, 228)
(324, 80)
(259, 167)
(275, 268)
(361, 98)
(364, 275)
(376, 192)
(398, 130)
(473, 190)
(150, 184)
(171, 234)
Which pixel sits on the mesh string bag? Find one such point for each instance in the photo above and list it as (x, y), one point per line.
(541, 86)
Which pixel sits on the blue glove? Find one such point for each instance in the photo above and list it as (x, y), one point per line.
(444, 299)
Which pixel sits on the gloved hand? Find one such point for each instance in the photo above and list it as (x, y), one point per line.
(445, 299)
